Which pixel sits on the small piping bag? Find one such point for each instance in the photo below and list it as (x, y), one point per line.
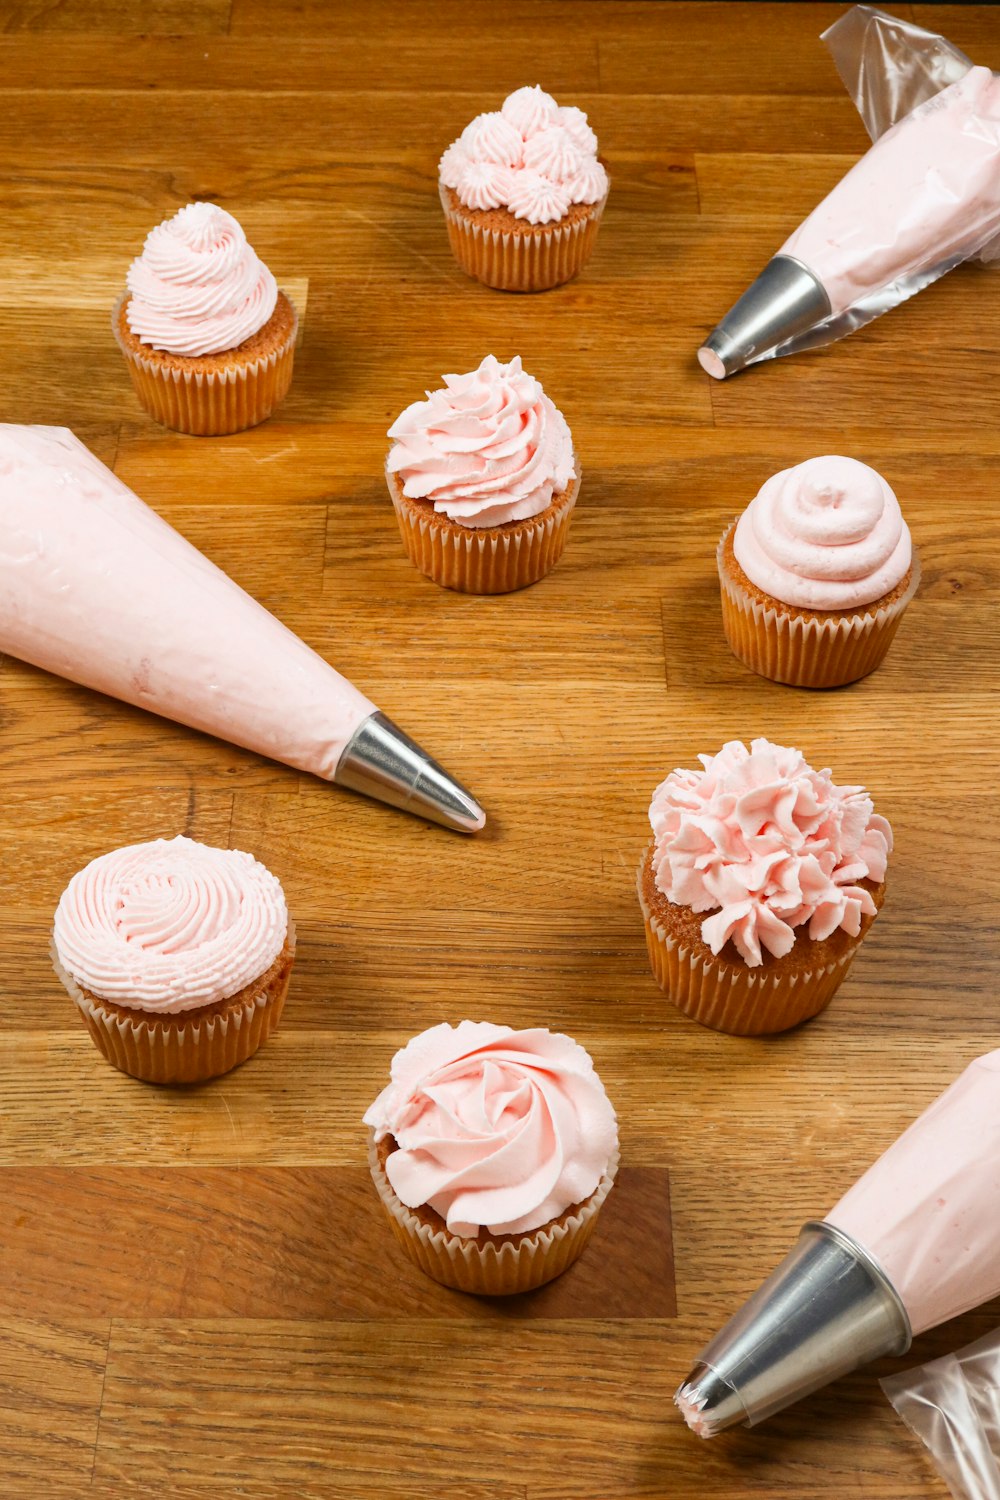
(95, 587)
(913, 1243)
(923, 199)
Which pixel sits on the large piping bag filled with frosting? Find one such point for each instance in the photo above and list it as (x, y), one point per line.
(913, 1243)
(924, 198)
(95, 587)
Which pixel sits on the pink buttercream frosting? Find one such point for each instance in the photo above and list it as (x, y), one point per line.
(170, 925)
(487, 449)
(766, 844)
(530, 156)
(198, 287)
(497, 1129)
(827, 534)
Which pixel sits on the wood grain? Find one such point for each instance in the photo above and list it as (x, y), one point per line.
(198, 1294)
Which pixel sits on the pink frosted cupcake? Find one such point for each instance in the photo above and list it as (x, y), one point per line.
(759, 886)
(208, 338)
(816, 574)
(492, 1151)
(483, 479)
(178, 956)
(523, 192)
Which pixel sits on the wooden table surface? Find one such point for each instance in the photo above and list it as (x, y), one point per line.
(197, 1294)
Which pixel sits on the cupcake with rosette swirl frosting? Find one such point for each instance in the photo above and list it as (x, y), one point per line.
(492, 1151)
(523, 191)
(816, 574)
(483, 478)
(178, 956)
(208, 338)
(760, 883)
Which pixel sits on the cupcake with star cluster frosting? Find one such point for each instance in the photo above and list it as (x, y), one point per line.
(523, 191)
(208, 338)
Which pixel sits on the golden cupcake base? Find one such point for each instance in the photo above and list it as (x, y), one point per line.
(488, 560)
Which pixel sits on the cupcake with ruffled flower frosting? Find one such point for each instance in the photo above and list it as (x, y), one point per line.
(492, 1151)
(816, 574)
(208, 338)
(484, 479)
(178, 956)
(761, 881)
(523, 192)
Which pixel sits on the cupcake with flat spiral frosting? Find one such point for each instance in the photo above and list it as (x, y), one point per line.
(816, 574)
(177, 954)
(208, 337)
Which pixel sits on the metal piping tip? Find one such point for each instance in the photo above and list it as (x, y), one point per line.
(383, 762)
(827, 1309)
(785, 300)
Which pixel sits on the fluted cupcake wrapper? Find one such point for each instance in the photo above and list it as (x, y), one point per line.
(513, 261)
(497, 560)
(800, 650)
(741, 1001)
(210, 403)
(485, 1269)
(181, 1048)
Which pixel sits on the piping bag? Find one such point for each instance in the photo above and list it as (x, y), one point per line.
(96, 587)
(912, 1243)
(924, 198)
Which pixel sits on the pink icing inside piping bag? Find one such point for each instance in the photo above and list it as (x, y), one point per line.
(95, 587)
(929, 1209)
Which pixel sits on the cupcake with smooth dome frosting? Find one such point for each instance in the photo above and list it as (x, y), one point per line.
(761, 881)
(483, 478)
(492, 1151)
(523, 191)
(816, 574)
(178, 956)
(208, 338)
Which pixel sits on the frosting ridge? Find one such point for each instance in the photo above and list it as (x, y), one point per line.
(766, 844)
(198, 287)
(497, 1129)
(548, 156)
(487, 449)
(827, 534)
(170, 925)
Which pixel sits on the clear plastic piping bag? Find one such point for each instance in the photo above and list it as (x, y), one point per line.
(889, 66)
(953, 1406)
(892, 67)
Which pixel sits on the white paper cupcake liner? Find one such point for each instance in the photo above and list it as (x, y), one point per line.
(800, 650)
(512, 261)
(210, 403)
(484, 561)
(741, 1001)
(180, 1048)
(484, 1269)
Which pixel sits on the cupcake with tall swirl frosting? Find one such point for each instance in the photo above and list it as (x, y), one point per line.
(816, 574)
(208, 338)
(760, 883)
(484, 479)
(492, 1151)
(178, 956)
(523, 191)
